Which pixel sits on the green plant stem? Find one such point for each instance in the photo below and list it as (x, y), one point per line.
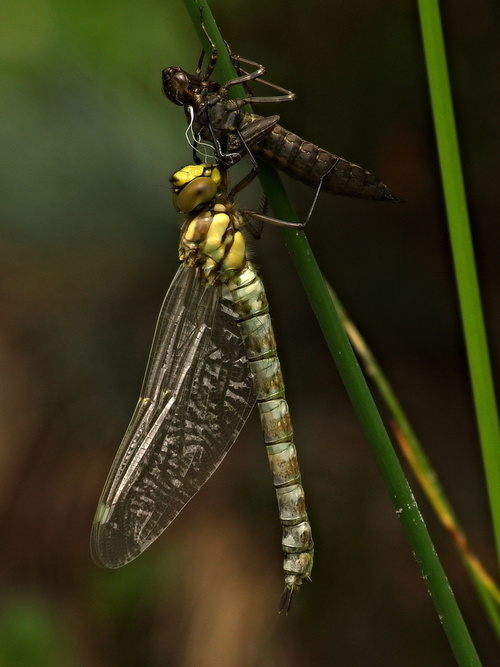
(463, 254)
(427, 477)
(399, 490)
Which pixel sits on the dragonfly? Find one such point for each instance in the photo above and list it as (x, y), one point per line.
(234, 132)
(213, 356)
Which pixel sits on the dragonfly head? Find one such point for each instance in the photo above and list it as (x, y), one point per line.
(195, 185)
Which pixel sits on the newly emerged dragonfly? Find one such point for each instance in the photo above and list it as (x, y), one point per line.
(213, 356)
(234, 132)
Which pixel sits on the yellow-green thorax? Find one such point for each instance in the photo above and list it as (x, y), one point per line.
(211, 236)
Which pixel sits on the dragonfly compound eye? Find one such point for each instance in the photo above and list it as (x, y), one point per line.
(199, 191)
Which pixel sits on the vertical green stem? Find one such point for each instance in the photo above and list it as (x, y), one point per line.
(463, 253)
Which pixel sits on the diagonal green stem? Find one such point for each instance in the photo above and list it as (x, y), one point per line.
(463, 254)
(427, 477)
(357, 389)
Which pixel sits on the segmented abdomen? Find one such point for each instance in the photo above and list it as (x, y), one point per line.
(256, 331)
(307, 163)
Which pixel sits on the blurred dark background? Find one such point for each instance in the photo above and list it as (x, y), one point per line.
(89, 237)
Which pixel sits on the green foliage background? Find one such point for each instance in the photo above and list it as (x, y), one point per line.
(88, 246)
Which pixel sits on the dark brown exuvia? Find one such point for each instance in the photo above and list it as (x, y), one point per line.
(235, 132)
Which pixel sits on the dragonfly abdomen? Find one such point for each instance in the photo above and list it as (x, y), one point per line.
(256, 330)
(308, 163)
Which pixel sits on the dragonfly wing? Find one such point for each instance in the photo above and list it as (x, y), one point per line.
(196, 396)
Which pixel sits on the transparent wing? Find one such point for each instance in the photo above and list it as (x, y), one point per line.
(196, 396)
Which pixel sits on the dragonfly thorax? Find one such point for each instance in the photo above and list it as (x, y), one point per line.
(211, 239)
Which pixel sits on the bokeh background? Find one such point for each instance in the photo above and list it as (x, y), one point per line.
(88, 247)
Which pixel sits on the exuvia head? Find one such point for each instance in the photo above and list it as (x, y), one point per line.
(176, 85)
(195, 185)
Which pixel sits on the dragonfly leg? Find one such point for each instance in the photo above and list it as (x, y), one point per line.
(246, 76)
(214, 53)
(242, 78)
(260, 217)
(318, 190)
(242, 184)
(197, 71)
(226, 159)
(272, 221)
(285, 223)
(287, 95)
(276, 221)
(239, 70)
(249, 152)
